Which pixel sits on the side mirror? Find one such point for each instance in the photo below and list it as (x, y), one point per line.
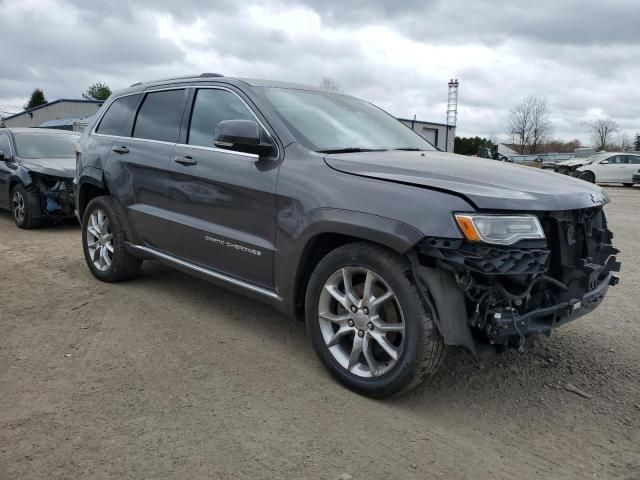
(604, 162)
(241, 136)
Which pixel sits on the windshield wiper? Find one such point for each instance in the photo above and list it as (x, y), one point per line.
(352, 150)
(411, 149)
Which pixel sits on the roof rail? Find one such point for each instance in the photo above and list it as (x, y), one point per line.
(202, 75)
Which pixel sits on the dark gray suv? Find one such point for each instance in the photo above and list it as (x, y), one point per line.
(334, 212)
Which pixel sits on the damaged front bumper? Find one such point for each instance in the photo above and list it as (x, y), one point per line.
(511, 293)
(542, 320)
(55, 196)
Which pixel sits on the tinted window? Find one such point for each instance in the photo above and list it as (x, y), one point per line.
(45, 145)
(210, 107)
(119, 117)
(160, 115)
(634, 159)
(4, 145)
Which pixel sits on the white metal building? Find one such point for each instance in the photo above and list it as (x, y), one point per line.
(57, 110)
(435, 133)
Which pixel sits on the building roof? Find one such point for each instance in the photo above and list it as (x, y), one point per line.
(70, 100)
(62, 122)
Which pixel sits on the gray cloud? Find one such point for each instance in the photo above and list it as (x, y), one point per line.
(582, 56)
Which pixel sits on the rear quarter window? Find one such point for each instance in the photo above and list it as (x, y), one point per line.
(119, 117)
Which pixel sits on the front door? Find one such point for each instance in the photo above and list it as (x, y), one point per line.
(223, 202)
(609, 171)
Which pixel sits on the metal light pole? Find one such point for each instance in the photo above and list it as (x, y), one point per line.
(452, 109)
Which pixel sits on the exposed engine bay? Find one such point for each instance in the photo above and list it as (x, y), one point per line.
(516, 292)
(55, 195)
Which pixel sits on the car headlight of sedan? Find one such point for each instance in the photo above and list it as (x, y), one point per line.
(499, 229)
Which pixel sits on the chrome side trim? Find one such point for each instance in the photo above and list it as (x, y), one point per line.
(206, 271)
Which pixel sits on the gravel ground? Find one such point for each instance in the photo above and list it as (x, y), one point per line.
(167, 376)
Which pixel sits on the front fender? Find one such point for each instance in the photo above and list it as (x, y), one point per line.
(294, 243)
(391, 233)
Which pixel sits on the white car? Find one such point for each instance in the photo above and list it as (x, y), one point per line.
(611, 168)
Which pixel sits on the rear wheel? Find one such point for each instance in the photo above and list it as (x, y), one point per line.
(103, 239)
(628, 184)
(368, 323)
(587, 176)
(25, 208)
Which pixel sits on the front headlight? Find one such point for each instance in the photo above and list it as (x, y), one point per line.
(499, 229)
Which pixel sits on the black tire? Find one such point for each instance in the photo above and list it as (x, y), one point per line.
(26, 217)
(123, 265)
(627, 184)
(588, 177)
(423, 348)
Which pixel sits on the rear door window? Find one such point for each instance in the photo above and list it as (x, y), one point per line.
(119, 117)
(634, 159)
(159, 116)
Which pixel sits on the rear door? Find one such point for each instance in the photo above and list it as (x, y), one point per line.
(140, 164)
(5, 171)
(224, 204)
(631, 167)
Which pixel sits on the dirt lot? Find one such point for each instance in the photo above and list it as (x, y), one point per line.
(170, 377)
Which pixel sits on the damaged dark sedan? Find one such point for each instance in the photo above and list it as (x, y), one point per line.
(36, 174)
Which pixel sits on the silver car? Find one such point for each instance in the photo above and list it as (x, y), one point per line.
(611, 168)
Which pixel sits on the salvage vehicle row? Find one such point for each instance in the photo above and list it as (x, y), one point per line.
(36, 174)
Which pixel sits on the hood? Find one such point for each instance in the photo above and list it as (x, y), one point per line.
(486, 184)
(577, 162)
(56, 167)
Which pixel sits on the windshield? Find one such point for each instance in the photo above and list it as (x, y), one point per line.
(45, 145)
(597, 157)
(328, 122)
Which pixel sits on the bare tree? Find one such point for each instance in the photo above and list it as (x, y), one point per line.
(625, 143)
(529, 123)
(602, 131)
(330, 84)
(541, 127)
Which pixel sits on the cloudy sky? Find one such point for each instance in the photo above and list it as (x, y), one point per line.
(583, 56)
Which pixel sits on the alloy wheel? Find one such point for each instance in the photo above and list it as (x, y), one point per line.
(361, 321)
(19, 209)
(100, 240)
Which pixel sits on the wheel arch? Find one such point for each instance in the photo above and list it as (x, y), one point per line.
(334, 228)
(88, 189)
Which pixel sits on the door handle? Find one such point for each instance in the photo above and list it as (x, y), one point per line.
(186, 161)
(122, 149)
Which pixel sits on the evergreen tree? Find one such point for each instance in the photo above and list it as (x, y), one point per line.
(37, 99)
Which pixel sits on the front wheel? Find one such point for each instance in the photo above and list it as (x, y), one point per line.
(587, 176)
(103, 239)
(368, 323)
(25, 208)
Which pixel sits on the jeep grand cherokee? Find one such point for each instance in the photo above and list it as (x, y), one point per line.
(334, 212)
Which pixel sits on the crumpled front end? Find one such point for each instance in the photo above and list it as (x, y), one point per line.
(55, 195)
(571, 170)
(529, 288)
